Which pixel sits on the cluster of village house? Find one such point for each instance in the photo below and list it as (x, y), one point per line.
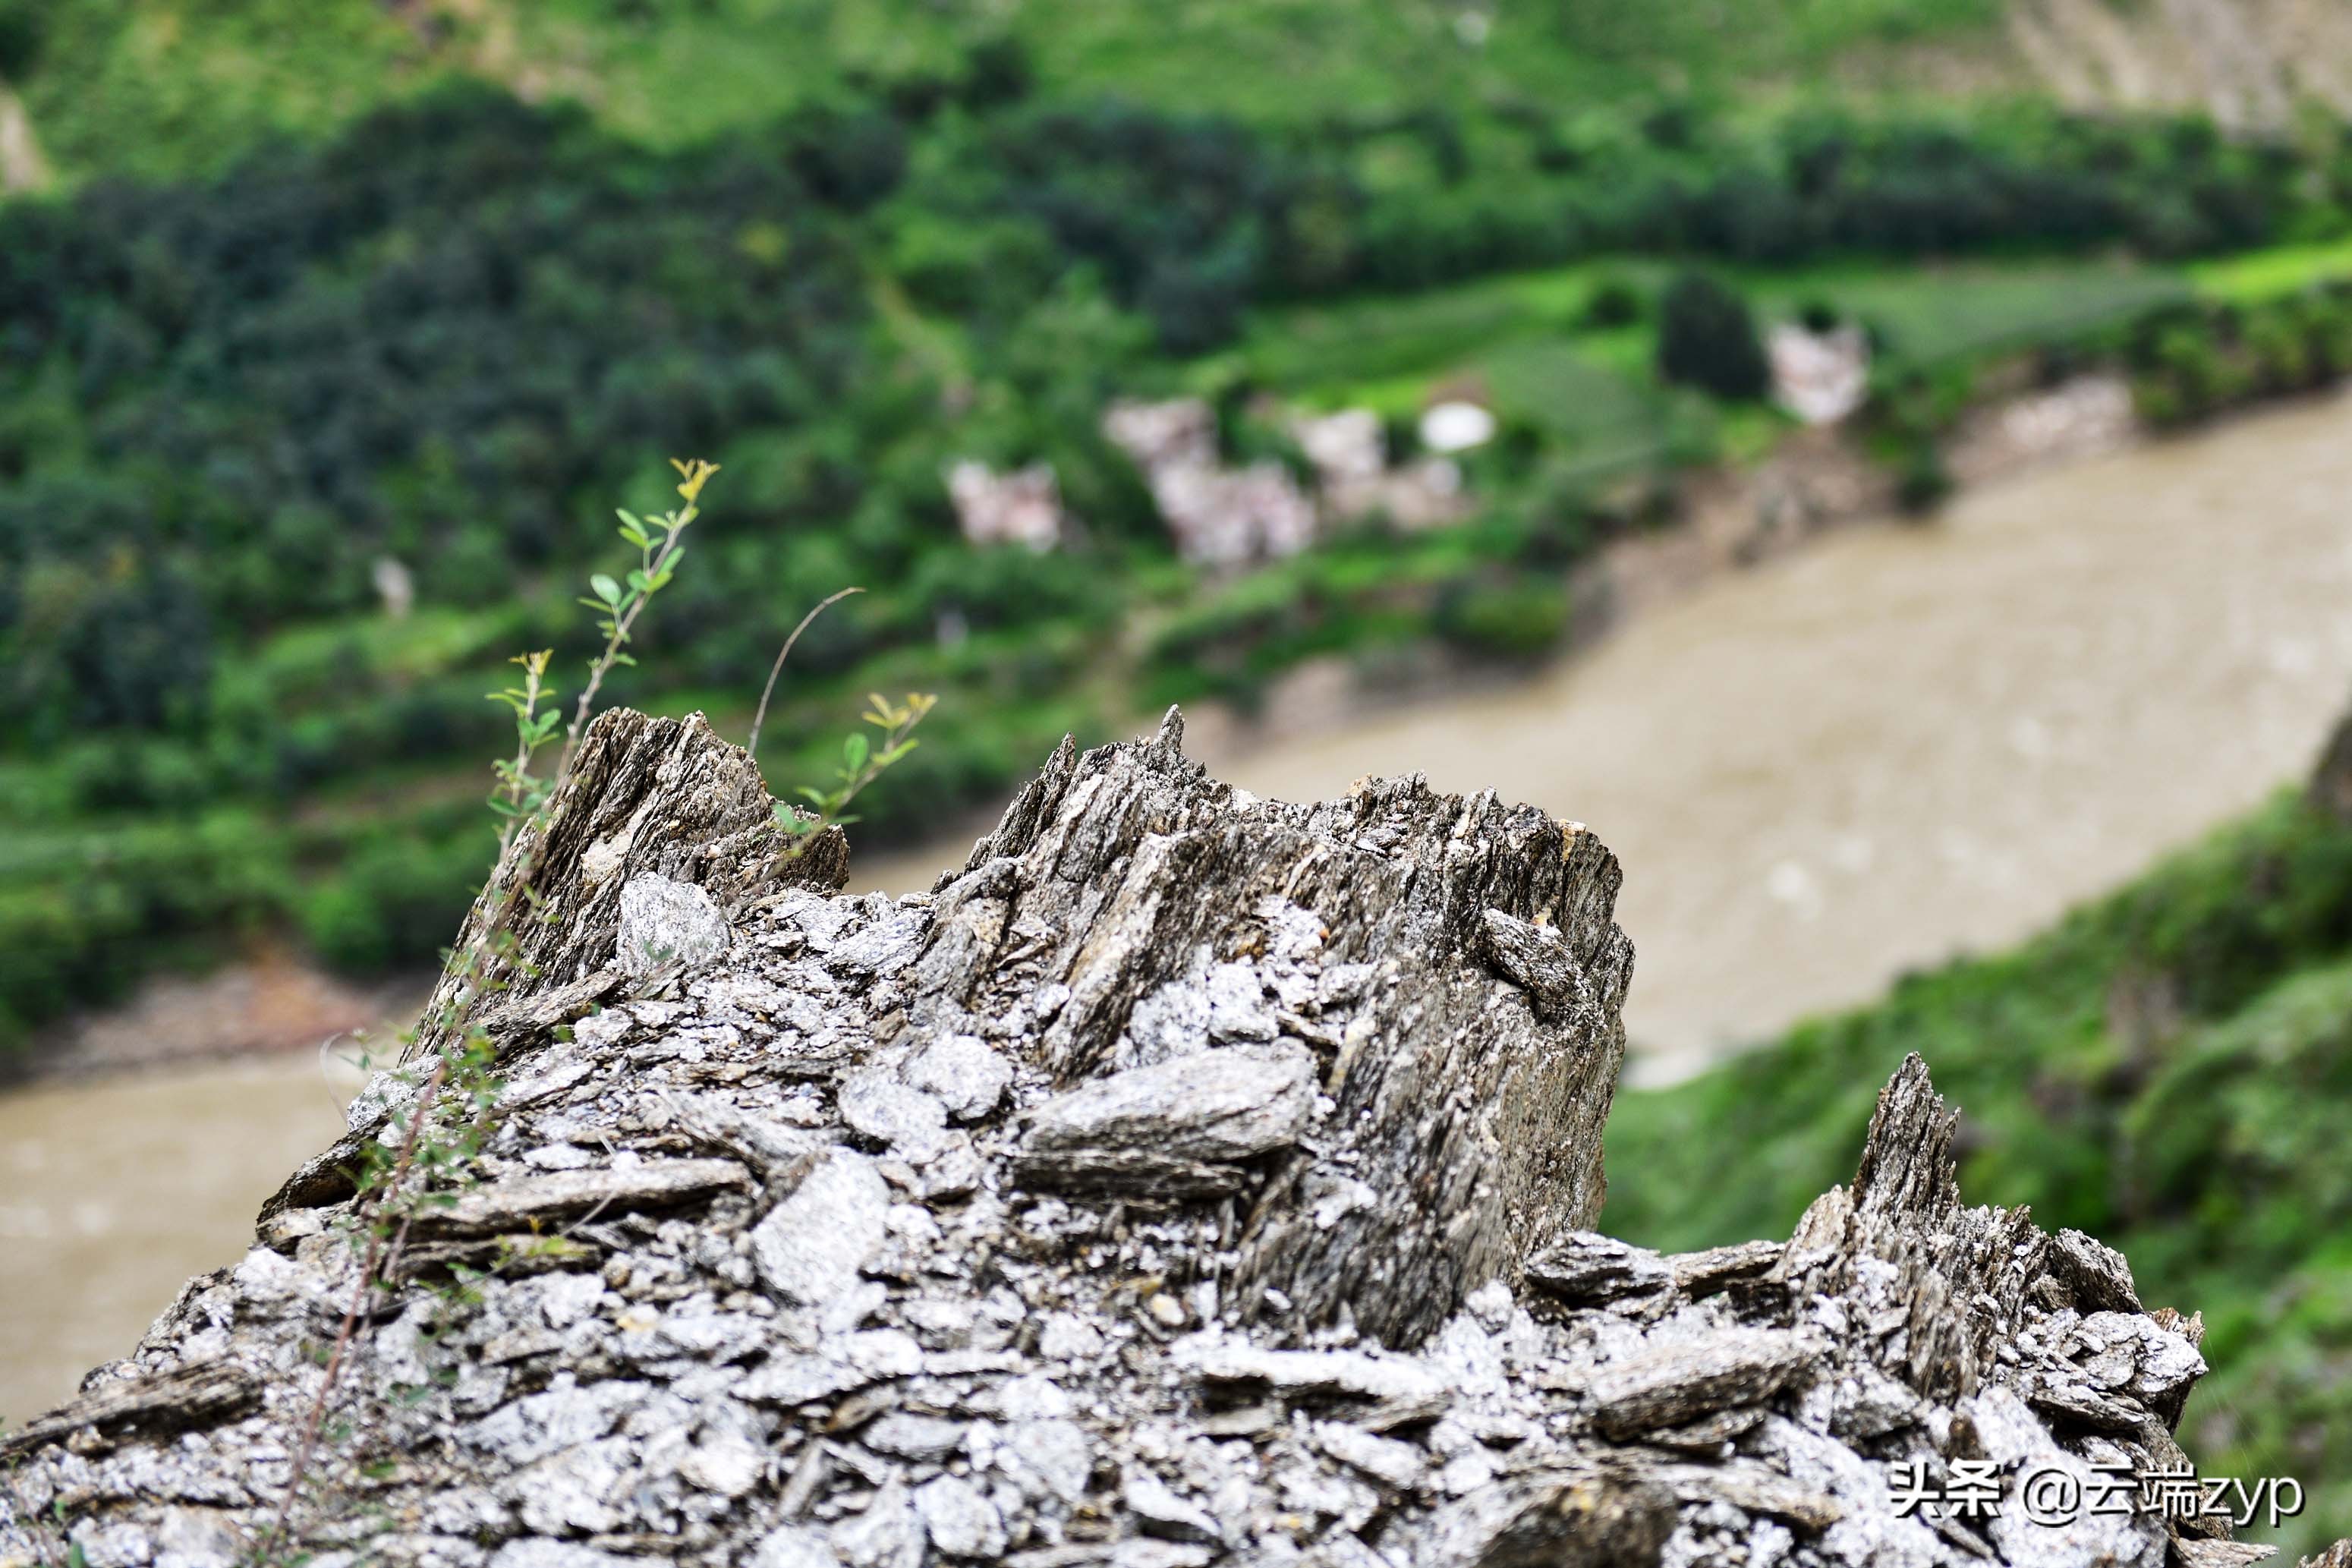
(1222, 514)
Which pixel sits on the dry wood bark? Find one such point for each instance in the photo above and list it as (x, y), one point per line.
(663, 796)
(1168, 912)
(1187, 1179)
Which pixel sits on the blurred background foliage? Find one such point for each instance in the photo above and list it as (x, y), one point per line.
(291, 314)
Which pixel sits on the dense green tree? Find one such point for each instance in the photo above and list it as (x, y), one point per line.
(435, 349)
(1706, 339)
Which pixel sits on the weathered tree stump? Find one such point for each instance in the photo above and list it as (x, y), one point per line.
(1191, 1178)
(646, 799)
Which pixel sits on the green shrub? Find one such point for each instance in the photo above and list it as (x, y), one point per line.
(1508, 619)
(1613, 302)
(2280, 350)
(118, 773)
(1554, 529)
(1004, 585)
(395, 901)
(1706, 339)
(1923, 482)
(2157, 402)
(961, 267)
(2327, 320)
(22, 34)
(2189, 357)
(84, 913)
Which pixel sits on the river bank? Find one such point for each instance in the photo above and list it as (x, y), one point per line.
(1898, 743)
(272, 1003)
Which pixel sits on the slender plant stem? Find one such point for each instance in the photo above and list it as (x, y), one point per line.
(534, 669)
(622, 621)
(382, 1253)
(361, 1293)
(752, 746)
(374, 1265)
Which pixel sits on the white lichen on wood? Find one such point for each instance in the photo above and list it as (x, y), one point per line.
(1187, 1179)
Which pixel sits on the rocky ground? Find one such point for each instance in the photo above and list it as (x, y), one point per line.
(1191, 1179)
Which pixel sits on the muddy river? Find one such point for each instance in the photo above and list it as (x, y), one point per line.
(1900, 744)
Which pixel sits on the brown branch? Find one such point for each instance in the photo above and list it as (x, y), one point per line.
(752, 746)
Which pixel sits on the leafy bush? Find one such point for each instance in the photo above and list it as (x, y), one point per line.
(1613, 302)
(1515, 620)
(84, 912)
(2189, 363)
(22, 34)
(1922, 482)
(394, 901)
(137, 656)
(997, 586)
(1706, 339)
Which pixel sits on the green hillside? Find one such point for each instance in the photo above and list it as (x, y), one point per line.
(331, 295)
(172, 87)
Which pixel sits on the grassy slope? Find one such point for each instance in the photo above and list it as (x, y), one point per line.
(169, 86)
(2168, 1068)
(1523, 341)
(2273, 272)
